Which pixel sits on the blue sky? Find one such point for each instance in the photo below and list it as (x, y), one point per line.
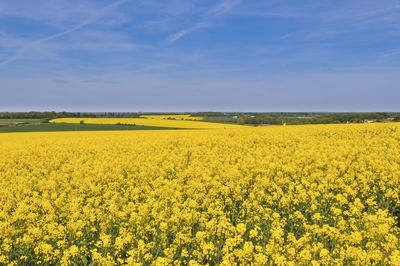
(198, 55)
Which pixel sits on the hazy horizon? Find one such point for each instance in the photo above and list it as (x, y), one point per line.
(186, 111)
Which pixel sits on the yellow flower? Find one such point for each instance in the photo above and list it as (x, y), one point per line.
(225, 194)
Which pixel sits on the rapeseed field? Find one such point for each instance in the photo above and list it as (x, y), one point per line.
(154, 122)
(176, 117)
(294, 195)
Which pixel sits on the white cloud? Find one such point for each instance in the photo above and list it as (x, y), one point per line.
(176, 36)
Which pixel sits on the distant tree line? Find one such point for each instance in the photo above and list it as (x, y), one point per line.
(273, 118)
(53, 115)
(209, 114)
(305, 118)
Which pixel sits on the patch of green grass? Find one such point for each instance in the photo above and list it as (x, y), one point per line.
(21, 120)
(42, 127)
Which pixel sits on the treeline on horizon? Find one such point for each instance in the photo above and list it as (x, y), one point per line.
(53, 115)
(325, 118)
(270, 118)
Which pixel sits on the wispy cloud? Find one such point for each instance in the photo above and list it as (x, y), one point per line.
(224, 7)
(97, 15)
(176, 36)
(361, 12)
(200, 25)
(221, 9)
